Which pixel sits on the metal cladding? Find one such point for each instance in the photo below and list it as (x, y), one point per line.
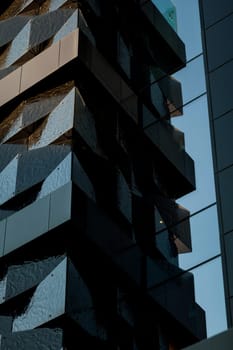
(90, 168)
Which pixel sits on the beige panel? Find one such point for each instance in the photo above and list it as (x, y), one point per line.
(69, 48)
(10, 86)
(40, 67)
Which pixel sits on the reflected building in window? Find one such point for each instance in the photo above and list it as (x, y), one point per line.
(217, 24)
(91, 171)
(205, 260)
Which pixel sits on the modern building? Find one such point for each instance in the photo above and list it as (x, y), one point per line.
(205, 259)
(223, 340)
(91, 169)
(217, 26)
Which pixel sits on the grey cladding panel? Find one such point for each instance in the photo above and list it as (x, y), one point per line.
(38, 339)
(45, 26)
(55, 4)
(27, 224)
(60, 205)
(5, 213)
(5, 324)
(8, 152)
(84, 122)
(47, 302)
(10, 28)
(35, 166)
(36, 110)
(70, 25)
(81, 178)
(78, 295)
(60, 176)
(23, 277)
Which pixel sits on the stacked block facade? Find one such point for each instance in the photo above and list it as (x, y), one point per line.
(90, 170)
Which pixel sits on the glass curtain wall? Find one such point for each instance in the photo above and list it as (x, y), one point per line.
(191, 123)
(205, 259)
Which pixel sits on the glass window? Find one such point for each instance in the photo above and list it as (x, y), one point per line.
(214, 10)
(226, 193)
(223, 128)
(188, 26)
(123, 55)
(192, 79)
(168, 10)
(205, 238)
(219, 43)
(209, 295)
(195, 125)
(228, 239)
(221, 89)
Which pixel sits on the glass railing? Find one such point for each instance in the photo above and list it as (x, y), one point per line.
(168, 10)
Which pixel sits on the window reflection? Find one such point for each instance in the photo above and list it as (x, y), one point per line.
(192, 79)
(188, 26)
(195, 125)
(209, 295)
(205, 238)
(168, 10)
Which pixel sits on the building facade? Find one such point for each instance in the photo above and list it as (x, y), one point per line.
(223, 340)
(90, 171)
(217, 26)
(205, 260)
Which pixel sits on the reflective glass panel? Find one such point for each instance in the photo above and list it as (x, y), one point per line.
(226, 192)
(205, 238)
(195, 125)
(168, 10)
(209, 295)
(192, 79)
(188, 26)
